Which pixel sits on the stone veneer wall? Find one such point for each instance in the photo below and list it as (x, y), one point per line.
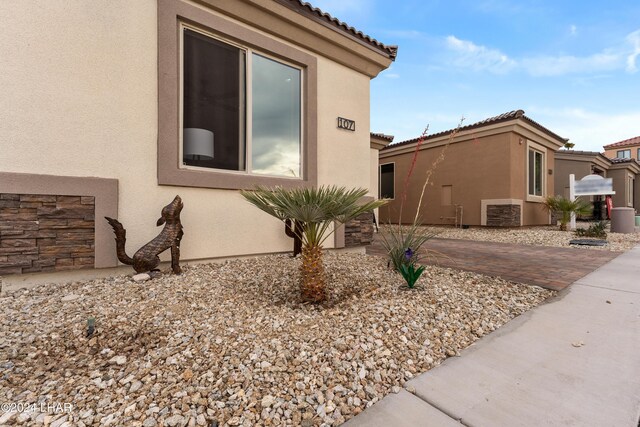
(41, 233)
(503, 215)
(359, 231)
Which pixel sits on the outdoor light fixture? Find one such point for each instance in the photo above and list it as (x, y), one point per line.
(198, 144)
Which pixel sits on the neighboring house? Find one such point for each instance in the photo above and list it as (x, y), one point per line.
(624, 173)
(581, 164)
(114, 107)
(496, 172)
(627, 149)
(625, 156)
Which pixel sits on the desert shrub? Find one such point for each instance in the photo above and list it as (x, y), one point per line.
(318, 209)
(404, 243)
(597, 230)
(565, 207)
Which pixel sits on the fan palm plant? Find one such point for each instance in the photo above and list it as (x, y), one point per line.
(318, 208)
(565, 207)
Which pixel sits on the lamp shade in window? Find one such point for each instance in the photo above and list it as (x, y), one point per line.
(198, 144)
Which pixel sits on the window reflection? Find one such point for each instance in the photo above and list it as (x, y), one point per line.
(276, 108)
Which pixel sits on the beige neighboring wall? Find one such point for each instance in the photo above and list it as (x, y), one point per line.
(478, 160)
(566, 167)
(580, 164)
(82, 100)
(485, 163)
(622, 173)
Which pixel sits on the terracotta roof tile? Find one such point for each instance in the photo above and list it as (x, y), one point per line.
(588, 153)
(307, 9)
(626, 143)
(382, 136)
(623, 160)
(511, 115)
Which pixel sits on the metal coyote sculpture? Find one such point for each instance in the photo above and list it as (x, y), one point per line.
(146, 258)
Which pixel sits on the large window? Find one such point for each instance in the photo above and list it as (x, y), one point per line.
(387, 181)
(241, 109)
(623, 154)
(535, 172)
(236, 107)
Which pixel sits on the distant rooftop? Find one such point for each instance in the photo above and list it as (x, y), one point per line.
(623, 160)
(511, 115)
(382, 136)
(625, 143)
(580, 152)
(306, 9)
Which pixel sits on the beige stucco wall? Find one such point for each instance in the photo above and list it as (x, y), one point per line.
(566, 167)
(342, 154)
(476, 170)
(80, 99)
(621, 187)
(533, 211)
(620, 179)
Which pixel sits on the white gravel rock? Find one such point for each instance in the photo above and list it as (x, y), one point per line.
(141, 277)
(233, 343)
(537, 236)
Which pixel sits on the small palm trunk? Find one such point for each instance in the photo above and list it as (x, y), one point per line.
(313, 280)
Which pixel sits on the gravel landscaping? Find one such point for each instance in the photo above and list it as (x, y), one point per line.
(537, 236)
(232, 343)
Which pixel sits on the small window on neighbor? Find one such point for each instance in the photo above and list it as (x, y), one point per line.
(536, 172)
(623, 154)
(387, 181)
(446, 195)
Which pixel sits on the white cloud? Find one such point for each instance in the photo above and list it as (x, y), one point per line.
(561, 65)
(622, 56)
(634, 40)
(477, 57)
(589, 130)
(573, 30)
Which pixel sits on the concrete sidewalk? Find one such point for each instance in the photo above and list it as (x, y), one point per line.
(574, 361)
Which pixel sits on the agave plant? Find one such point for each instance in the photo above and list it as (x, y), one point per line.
(566, 207)
(318, 208)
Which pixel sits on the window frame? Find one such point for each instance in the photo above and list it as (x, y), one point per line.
(248, 105)
(172, 14)
(536, 148)
(380, 180)
(623, 152)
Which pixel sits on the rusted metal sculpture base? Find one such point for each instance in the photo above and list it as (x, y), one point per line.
(295, 234)
(146, 258)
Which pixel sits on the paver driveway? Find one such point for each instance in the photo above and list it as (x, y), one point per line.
(549, 267)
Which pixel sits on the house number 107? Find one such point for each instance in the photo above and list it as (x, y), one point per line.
(346, 124)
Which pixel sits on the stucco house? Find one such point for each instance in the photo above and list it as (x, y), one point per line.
(496, 172)
(622, 171)
(112, 108)
(625, 156)
(626, 149)
(581, 164)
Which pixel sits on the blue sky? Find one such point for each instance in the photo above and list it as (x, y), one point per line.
(572, 66)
